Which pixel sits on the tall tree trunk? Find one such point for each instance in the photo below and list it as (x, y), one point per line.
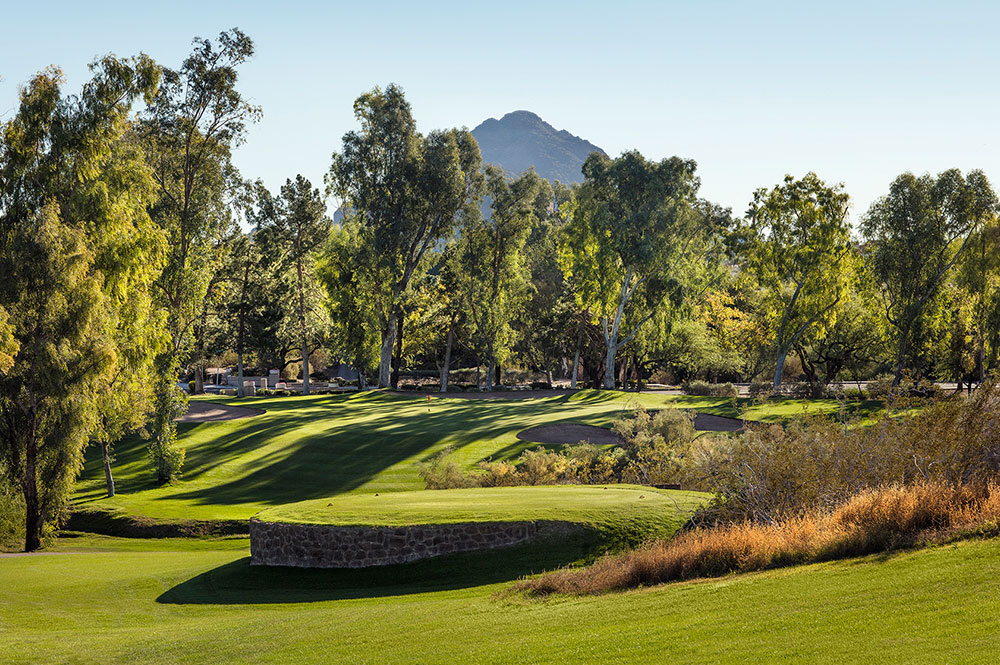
(239, 364)
(489, 374)
(385, 357)
(302, 328)
(779, 367)
(609, 364)
(904, 345)
(576, 355)
(447, 356)
(199, 378)
(32, 511)
(397, 357)
(108, 478)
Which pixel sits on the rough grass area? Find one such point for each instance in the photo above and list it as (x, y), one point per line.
(878, 520)
(935, 606)
(777, 409)
(313, 447)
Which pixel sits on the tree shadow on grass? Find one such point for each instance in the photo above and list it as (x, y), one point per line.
(239, 583)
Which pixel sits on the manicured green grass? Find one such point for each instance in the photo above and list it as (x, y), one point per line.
(938, 605)
(314, 447)
(569, 503)
(613, 517)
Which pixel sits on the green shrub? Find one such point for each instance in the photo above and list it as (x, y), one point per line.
(541, 385)
(761, 389)
(441, 472)
(191, 387)
(706, 389)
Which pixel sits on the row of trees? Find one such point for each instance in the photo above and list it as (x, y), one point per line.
(134, 252)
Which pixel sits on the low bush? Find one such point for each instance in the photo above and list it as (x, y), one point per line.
(654, 450)
(706, 389)
(761, 389)
(877, 520)
(441, 472)
(191, 387)
(541, 385)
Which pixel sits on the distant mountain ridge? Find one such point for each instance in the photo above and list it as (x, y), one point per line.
(521, 139)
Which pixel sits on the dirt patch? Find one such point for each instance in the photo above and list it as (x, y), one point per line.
(208, 412)
(706, 422)
(569, 433)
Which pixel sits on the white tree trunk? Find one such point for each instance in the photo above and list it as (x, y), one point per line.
(385, 359)
(779, 368)
(447, 359)
(609, 365)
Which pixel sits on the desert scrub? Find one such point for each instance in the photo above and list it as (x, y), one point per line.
(877, 520)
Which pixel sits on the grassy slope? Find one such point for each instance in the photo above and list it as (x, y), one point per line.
(314, 447)
(931, 606)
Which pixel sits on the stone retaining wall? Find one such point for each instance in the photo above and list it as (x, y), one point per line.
(323, 546)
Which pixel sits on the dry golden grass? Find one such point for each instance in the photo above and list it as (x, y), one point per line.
(871, 521)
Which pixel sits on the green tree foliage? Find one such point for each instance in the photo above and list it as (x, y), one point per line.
(354, 333)
(915, 235)
(295, 223)
(492, 272)
(548, 320)
(79, 254)
(635, 226)
(979, 275)
(408, 191)
(189, 131)
(798, 247)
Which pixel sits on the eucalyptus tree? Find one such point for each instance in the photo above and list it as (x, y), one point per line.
(915, 235)
(635, 225)
(493, 276)
(798, 246)
(78, 253)
(189, 130)
(409, 192)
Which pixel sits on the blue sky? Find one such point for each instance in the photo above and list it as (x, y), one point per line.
(856, 91)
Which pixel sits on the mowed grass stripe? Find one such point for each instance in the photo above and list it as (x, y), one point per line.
(930, 606)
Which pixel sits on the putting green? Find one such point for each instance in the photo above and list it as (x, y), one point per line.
(584, 504)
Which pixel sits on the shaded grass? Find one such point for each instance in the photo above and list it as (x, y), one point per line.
(930, 606)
